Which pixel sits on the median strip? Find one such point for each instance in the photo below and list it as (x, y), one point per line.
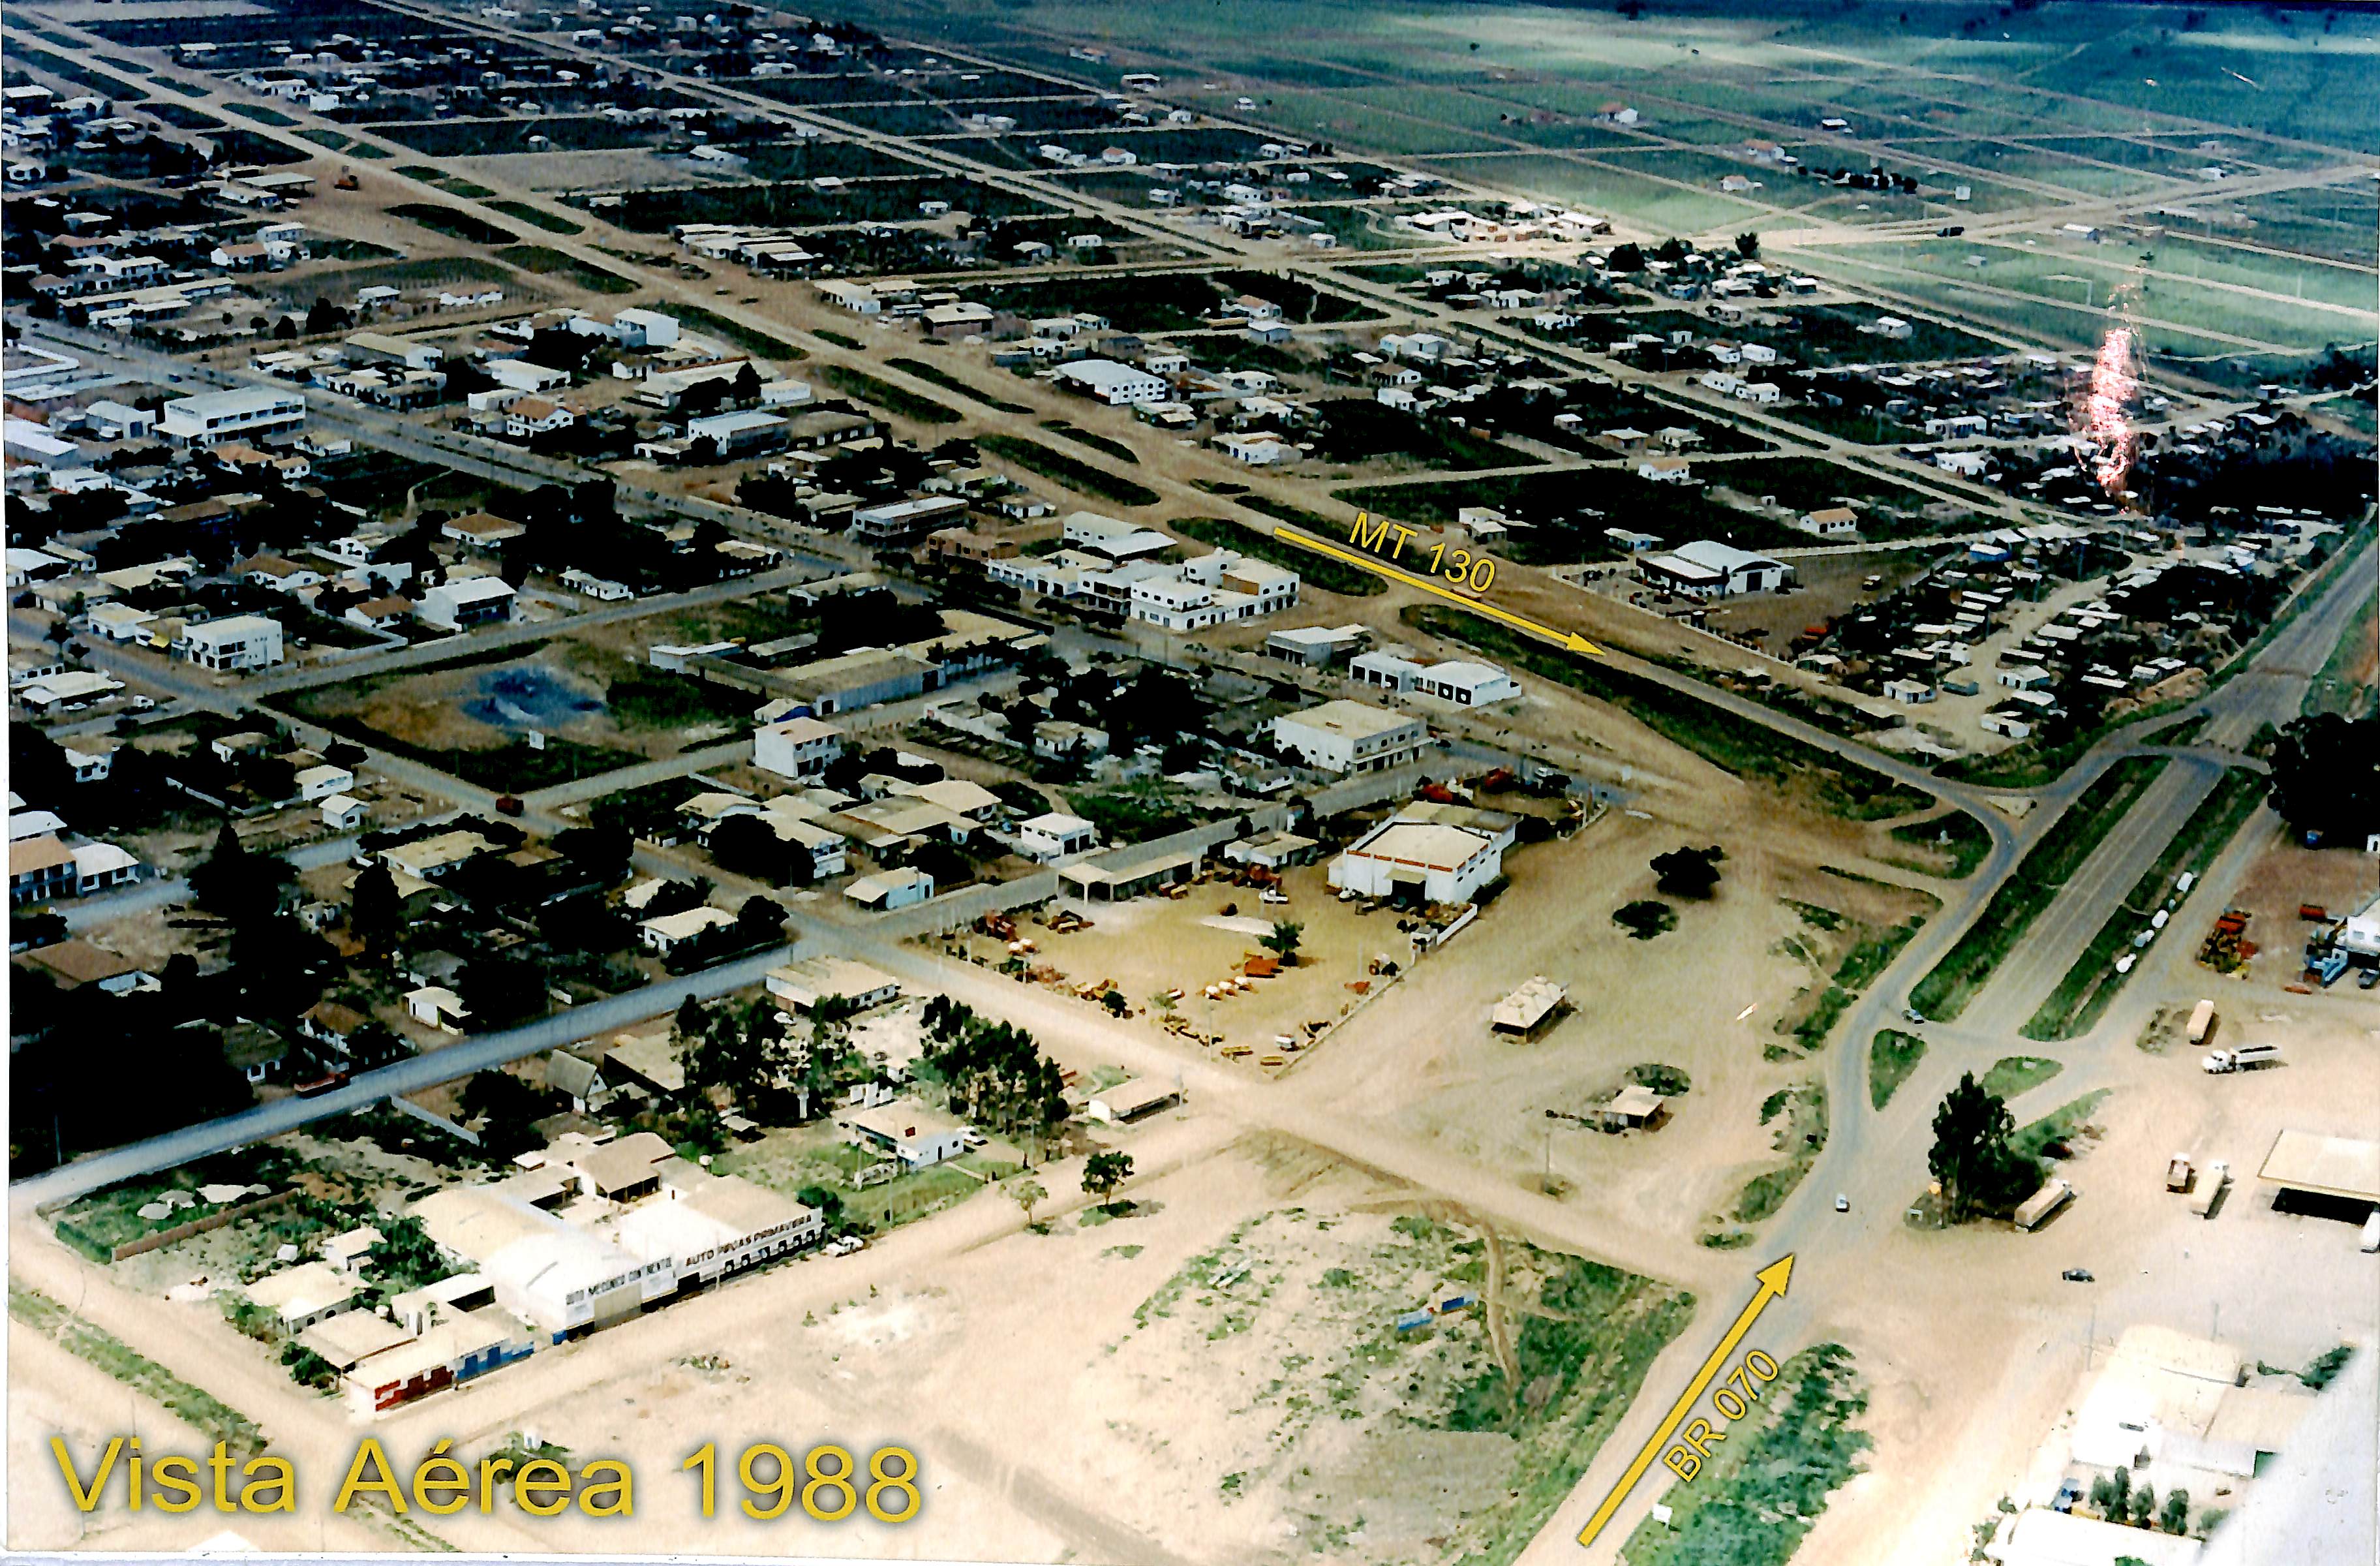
(1942, 994)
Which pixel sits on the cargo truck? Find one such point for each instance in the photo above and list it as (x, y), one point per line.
(2221, 1062)
(2177, 1173)
(2042, 1203)
(2210, 1187)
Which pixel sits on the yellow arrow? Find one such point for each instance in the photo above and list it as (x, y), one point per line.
(1570, 640)
(1773, 1278)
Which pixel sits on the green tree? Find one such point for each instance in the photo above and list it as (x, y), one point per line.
(406, 1257)
(1687, 872)
(2177, 1510)
(374, 910)
(1286, 937)
(1747, 245)
(1028, 1193)
(1102, 1172)
(1971, 1155)
(309, 1369)
(2143, 1504)
(239, 885)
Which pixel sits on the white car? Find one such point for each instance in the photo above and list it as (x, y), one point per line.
(972, 1139)
(1269, 895)
(1842, 1203)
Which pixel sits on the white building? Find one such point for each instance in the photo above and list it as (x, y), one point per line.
(667, 933)
(1439, 862)
(1459, 681)
(802, 985)
(644, 329)
(1055, 836)
(321, 782)
(236, 641)
(798, 747)
(904, 1130)
(1113, 536)
(245, 414)
(1707, 568)
(1348, 736)
(1118, 385)
(474, 601)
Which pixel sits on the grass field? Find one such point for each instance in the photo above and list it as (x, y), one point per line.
(570, 269)
(750, 339)
(1942, 994)
(1105, 445)
(552, 222)
(201, 1411)
(1765, 1486)
(1956, 844)
(896, 400)
(2012, 1075)
(1070, 471)
(934, 374)
(453, 222)
(1891, 1056)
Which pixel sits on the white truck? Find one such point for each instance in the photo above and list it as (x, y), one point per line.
(2202, 1021)
(2247, 1057)
(2210, 1187)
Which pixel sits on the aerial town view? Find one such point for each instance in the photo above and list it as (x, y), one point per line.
(1210, 783)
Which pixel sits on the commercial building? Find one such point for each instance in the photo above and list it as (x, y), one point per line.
(1130, 1100)
(236, 641)
(904, 519)
(453, 1349)
(1348, 736)
(1463, 683)
(1707, 569)
(1317, 647)
(1112, 537)
(1055, 836)
(245, 414)
(802, 985)
(892, 888)
(2326, 1174)
(555, 1276)
(1118, 385)
(1434, 861)
(735, 434)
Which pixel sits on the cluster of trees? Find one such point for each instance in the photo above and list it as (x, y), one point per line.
(1972, 1155)
(763, 1066)
(503, 1108)
(748, 845)
(2325, 776)
(1688, 872)
(996, 1073)
(2113, 1497)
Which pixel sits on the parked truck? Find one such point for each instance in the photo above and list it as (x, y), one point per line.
(2042, 1203)
(2210, 1187)
(2202, 1021)
(2219, 1062)
(2177, 1172)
